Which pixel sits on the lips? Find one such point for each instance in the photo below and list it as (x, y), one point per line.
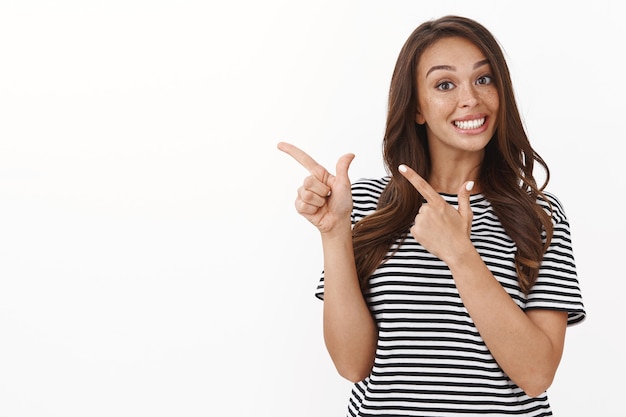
(469, 124)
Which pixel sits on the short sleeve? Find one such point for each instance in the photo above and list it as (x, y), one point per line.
(319, 291)
(557, 286)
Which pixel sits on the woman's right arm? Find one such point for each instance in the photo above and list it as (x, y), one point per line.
(350, 332)
(325, 200)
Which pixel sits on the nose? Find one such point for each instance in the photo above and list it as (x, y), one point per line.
(468, 96)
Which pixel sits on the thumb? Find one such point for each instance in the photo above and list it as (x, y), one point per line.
(343, 164)
(464, 199)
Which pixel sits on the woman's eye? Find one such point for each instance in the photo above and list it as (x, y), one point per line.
(485, 79)
(445, 85)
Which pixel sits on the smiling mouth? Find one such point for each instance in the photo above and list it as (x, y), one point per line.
(470, 124)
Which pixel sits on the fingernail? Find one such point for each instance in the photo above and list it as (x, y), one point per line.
(402, 168)
(469, 186)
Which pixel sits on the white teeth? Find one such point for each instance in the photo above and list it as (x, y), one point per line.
(470, 124)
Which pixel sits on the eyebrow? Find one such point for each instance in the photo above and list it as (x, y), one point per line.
(451, 68)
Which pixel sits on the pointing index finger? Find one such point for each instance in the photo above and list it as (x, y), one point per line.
(420, 185)
(299, 155)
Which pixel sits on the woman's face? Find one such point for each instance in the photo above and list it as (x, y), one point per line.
(457, 98)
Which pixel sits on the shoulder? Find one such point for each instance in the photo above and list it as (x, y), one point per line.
(370, 186)
(553, 206)
(365, 195)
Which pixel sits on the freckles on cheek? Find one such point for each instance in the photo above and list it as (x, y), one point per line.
(437, 103)
(492, 99)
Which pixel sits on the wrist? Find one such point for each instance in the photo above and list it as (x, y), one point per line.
(462, 255)
(340, 230)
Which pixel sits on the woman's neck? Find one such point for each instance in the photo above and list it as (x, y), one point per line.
(449, 175)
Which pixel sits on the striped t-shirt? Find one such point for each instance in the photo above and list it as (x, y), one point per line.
(430, 359)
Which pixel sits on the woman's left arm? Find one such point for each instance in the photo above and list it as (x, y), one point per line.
(527, 345)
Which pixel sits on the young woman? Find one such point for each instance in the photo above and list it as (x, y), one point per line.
(448, 284)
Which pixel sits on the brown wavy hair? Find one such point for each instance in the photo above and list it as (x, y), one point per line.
(506, 174)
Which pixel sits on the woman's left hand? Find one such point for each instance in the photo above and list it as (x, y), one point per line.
(439, 227)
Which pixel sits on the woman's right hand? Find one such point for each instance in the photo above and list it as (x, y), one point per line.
(324, 199)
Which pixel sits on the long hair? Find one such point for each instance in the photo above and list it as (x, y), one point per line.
(506, 174)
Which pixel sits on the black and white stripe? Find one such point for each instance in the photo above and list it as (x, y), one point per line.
(431, 360)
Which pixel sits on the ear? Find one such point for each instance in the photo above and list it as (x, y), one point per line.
(419, 118)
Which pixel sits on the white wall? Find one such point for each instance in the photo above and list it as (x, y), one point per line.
(151, 261)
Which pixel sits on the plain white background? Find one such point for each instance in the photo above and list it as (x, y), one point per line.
(151, 260)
